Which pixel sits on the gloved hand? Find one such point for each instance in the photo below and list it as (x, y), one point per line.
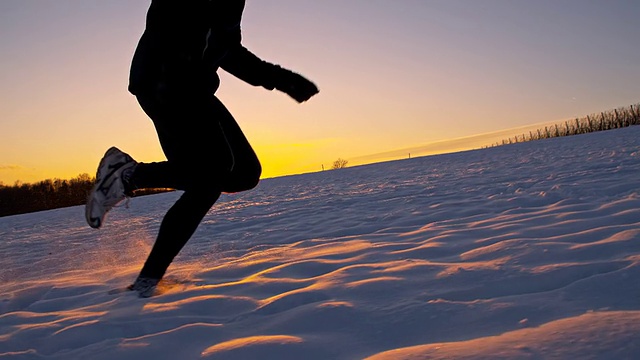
(295, 85)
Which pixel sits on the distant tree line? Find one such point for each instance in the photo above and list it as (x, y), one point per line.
(44, 195)
(49, 194)
(606, 120)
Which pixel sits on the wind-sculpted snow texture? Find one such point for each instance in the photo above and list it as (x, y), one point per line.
(528, 251)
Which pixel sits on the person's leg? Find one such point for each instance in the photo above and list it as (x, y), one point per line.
(198, 135)
(177, 227)
(246, 169)
(197, 154)
(191, 138)
(207, 153)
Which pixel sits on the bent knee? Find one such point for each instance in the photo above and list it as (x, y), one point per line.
(243, 182)
(252, 183)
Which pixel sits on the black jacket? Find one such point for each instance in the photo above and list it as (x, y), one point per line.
(186, 41)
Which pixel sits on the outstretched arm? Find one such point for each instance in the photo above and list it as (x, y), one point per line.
(246, 66)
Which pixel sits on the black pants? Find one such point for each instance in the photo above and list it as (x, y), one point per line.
(207, 154)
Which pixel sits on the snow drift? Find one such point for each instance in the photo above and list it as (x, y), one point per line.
(522, 252)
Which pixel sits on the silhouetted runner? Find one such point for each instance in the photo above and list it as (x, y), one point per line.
(174, 77)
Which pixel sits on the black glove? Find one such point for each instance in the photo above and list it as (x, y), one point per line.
(295, 85)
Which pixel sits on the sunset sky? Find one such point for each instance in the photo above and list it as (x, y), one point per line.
(393, 74)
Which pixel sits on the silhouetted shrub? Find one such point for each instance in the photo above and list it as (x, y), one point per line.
(339, 164)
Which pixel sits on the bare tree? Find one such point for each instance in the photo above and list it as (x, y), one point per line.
(339, 164)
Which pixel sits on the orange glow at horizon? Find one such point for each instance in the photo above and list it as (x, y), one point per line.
(420, 78)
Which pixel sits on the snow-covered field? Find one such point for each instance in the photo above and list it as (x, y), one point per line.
(529, 251)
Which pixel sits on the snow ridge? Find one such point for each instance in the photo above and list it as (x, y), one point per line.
(517, 252)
